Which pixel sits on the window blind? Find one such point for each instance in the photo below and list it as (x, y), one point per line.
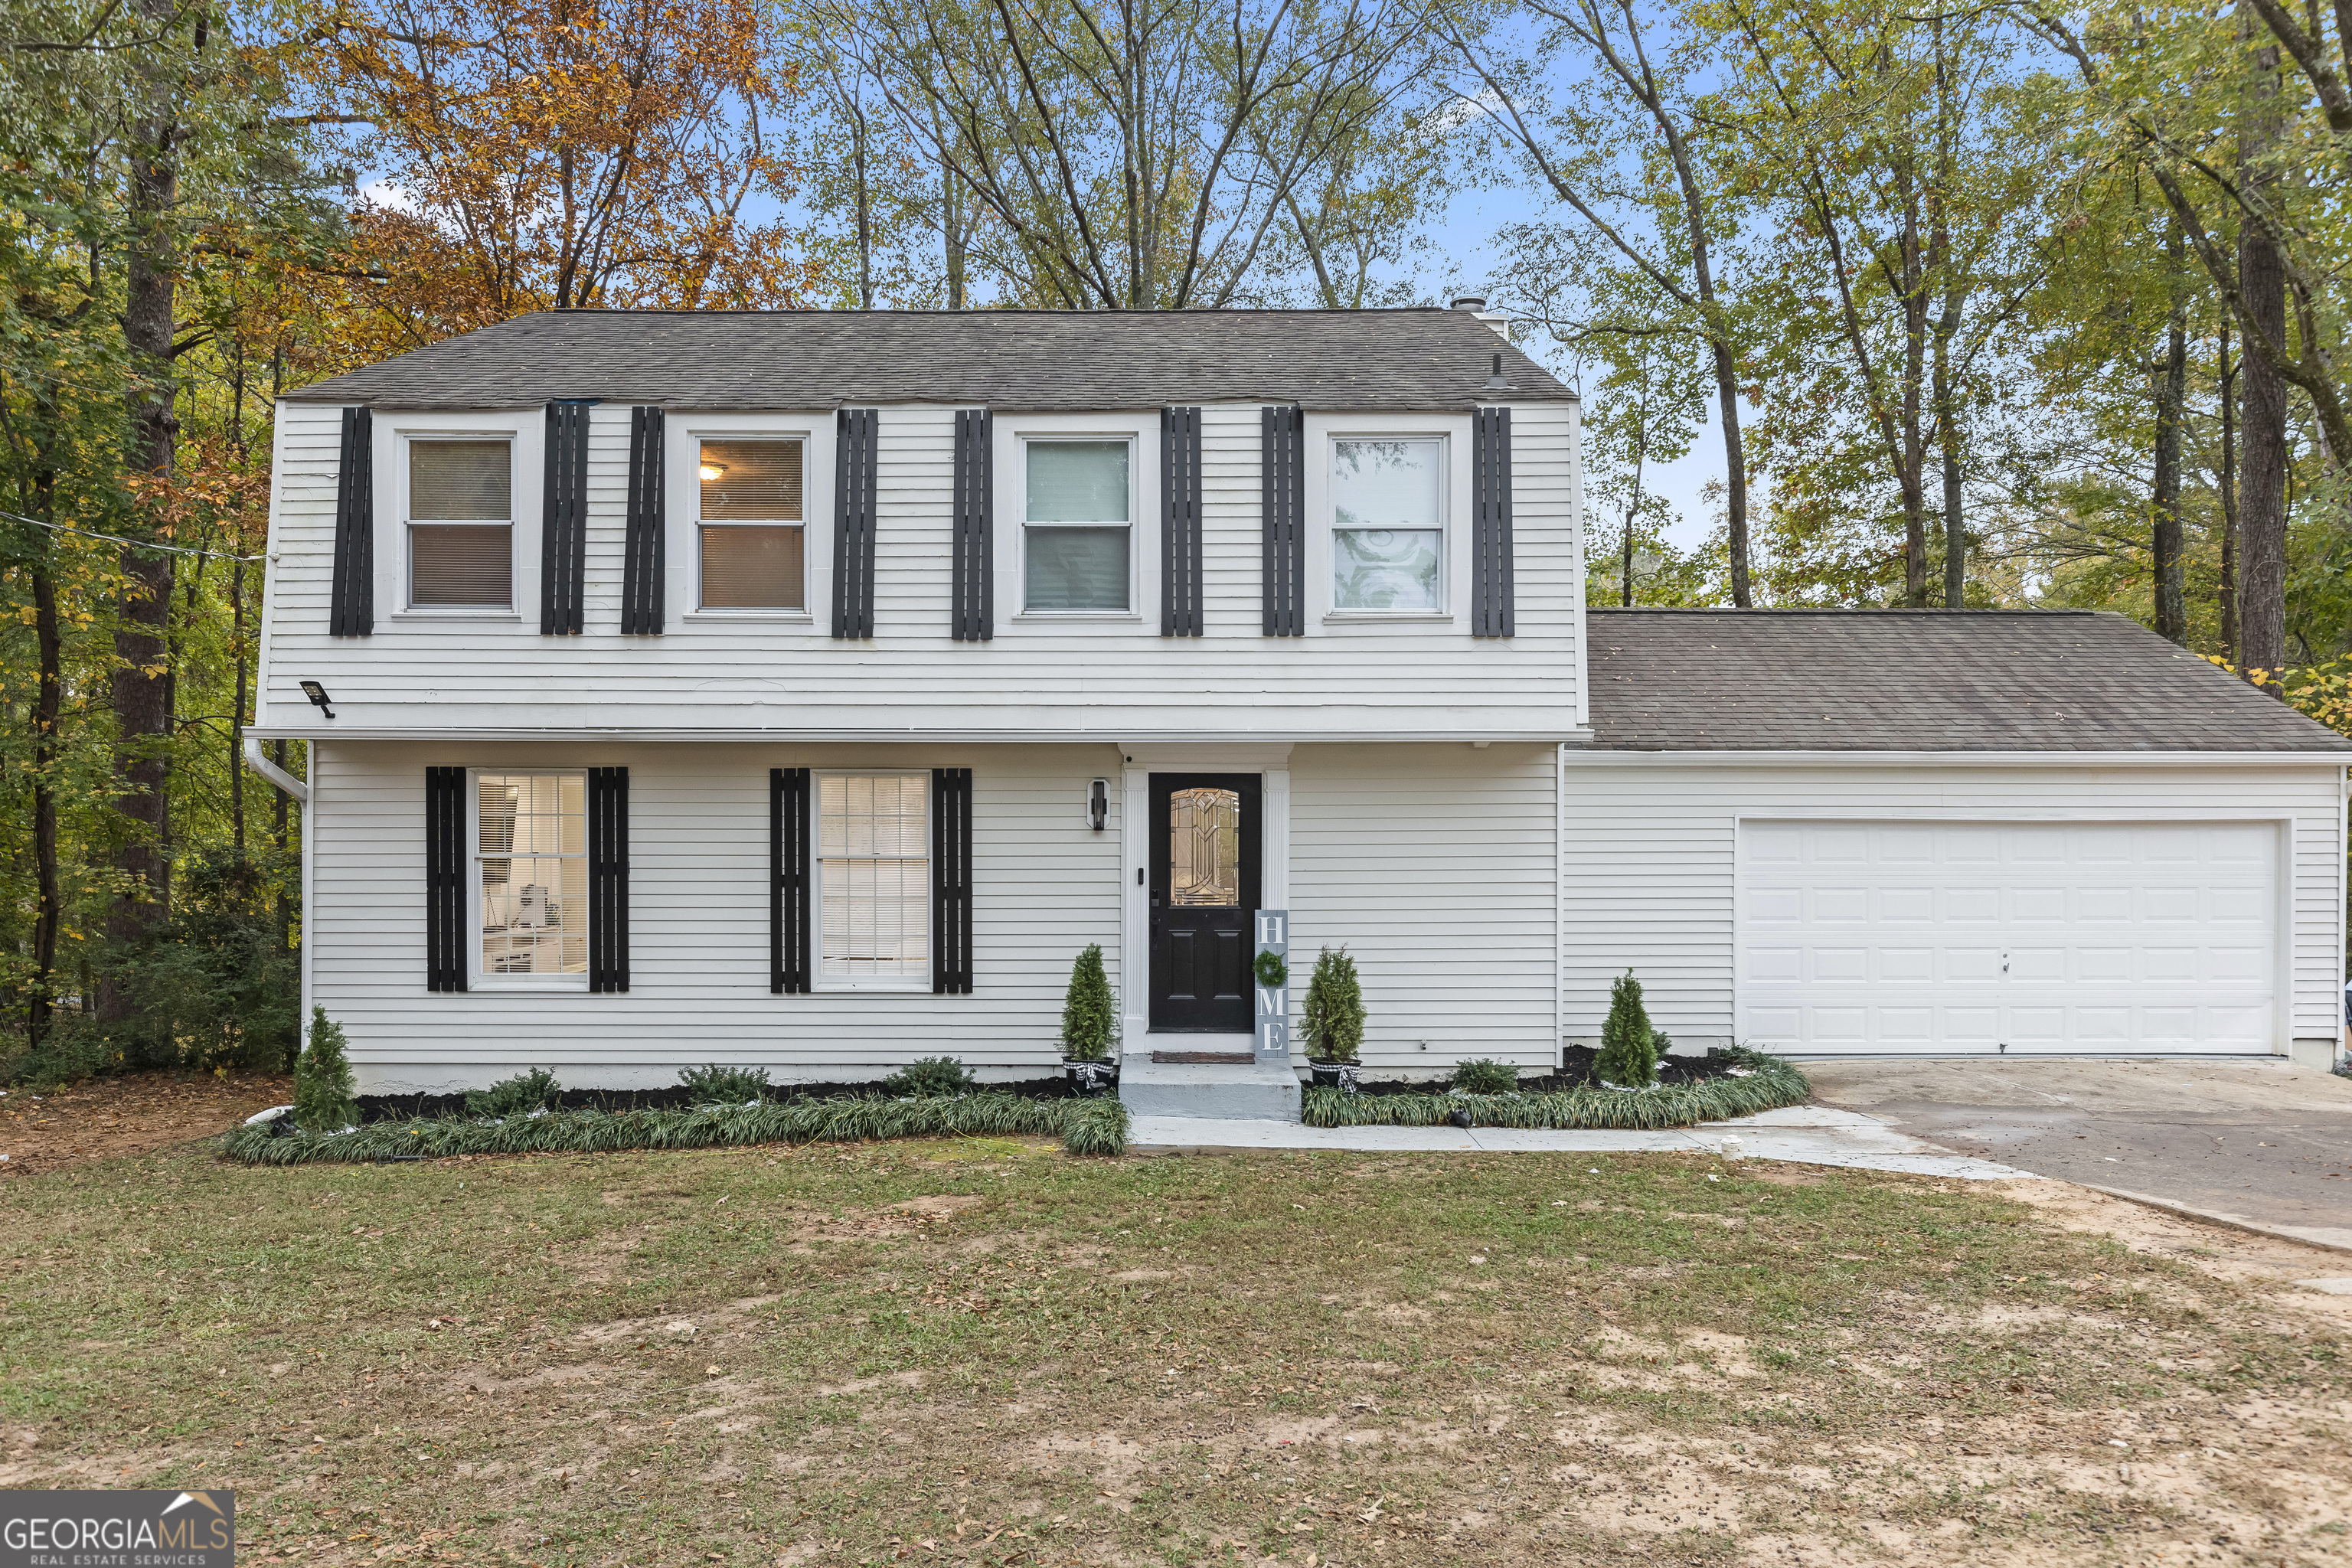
(1493, 588)
(351, 608)
(749, 567)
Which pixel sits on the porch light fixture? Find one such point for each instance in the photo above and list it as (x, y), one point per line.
(318, 696)
(1097, 804)
(714, 471)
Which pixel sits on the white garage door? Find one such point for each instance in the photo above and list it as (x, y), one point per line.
(2036, 937)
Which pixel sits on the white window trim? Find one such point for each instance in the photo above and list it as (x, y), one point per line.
(526, 439)
(682, 441)
(483, 977)
(1014, 434)
(1452, 432)
(898, 985)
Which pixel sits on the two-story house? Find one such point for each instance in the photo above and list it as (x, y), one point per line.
(809, 689)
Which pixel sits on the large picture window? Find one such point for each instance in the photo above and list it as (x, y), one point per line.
(1077, 526)
(530, 860)
(873, 855)
(753, 544)
(1388, 524)
(460, 525)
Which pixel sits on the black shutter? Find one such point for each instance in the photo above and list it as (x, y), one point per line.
(563, 520)
(1282, 463)
(856, 449)
(974, 587)
(952, 880)
(445, 879)
(1492, 589)
(788, 881)
(1180, 522)
(608, 879)
(352, 613)
(642, 562)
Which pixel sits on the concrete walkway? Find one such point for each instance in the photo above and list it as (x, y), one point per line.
(2254, 1142)
(1807, 1134)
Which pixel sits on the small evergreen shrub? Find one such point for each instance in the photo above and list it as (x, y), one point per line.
(518, 1095)
(933, 1078)
(1331, 1019)
(1629, 1047)
(1089, 1018)
(1481, 1076)
(716, 1085)
(325, 1098)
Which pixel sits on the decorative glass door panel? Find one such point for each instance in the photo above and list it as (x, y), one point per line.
(1204, 888)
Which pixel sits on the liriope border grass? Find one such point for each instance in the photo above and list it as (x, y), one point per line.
(1084, 1127)
(1771, 1083)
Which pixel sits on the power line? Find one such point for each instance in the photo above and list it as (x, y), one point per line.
(134, 543)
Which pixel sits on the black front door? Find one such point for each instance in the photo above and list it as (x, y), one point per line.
(1204, 886)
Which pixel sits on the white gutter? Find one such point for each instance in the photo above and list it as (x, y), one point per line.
(288, 784)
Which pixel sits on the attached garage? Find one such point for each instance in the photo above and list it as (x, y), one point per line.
(1998, 936)
(1985, 833)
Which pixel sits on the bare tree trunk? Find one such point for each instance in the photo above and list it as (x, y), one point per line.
(1735, 465)
(2229, 488)
(2262, 489)
(2172, 396)
(141, 683)
(237, 720)
(47, 704)
(952, 220)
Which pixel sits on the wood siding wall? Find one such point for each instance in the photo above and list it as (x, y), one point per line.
(1034, 679)
(1650, 857)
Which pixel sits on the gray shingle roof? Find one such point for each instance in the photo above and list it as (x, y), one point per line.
(1919, 680)
(1019, 360)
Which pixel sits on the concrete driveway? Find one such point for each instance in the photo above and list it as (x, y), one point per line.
(2254, 1138)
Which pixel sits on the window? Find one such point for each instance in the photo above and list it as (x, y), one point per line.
(530, 857)
(873, 878)
(460, 525)
(1075, 531)
(752, 550)
(1387, 525)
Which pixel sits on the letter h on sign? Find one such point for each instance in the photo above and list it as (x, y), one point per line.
(1273, 1011)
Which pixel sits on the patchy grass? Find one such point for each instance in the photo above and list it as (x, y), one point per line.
(984, 1351)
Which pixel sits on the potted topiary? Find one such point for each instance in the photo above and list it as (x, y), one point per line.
(1089, 1024)
(1331, 1020)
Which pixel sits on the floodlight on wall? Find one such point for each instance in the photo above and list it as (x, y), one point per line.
(318, 696)
(1099, 804)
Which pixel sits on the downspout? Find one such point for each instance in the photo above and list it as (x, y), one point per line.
(288, 784)
(300, 792)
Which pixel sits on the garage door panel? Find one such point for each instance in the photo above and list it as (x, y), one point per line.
(2029, 937)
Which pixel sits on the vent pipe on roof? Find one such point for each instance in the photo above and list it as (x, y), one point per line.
(1471, 302)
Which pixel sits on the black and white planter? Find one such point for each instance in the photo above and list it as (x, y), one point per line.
(1341, 1075)
(1089, 1078)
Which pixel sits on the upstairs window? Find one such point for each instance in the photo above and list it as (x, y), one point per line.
(530, 860)
(752, 548)
(1387, 525)
(460, 525)
(873, 878)
(1077, 527)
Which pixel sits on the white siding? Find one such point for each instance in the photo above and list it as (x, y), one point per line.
(1118, 681)
(1435, 867)
(1650, 881)
(1431, 863)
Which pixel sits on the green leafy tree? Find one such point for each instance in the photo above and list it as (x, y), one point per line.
(1629, 1047)
(1332, 1017)
(1089, 1020)
(324, 1095)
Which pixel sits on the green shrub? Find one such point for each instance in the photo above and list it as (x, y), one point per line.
(1089, 1018)
(518, 1095)
(1096, 1127)
(218, 986)
(933, 1078)
(1629, 1047)
(716, 1085)
(1331, 1019)
(324, 1095)
(1481, 1076)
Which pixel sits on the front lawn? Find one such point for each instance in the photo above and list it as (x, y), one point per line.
(988, 1352)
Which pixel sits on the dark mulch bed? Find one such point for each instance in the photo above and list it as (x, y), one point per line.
(407, 1107)
(1577, 1071)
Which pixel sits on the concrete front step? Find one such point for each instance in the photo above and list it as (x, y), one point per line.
(1215, 1091)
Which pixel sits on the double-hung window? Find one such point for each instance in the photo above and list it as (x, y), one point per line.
(753, 549)
(874, 878)
(460, 525)
(531, 863)
(1077, 525)
(1388, 524)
